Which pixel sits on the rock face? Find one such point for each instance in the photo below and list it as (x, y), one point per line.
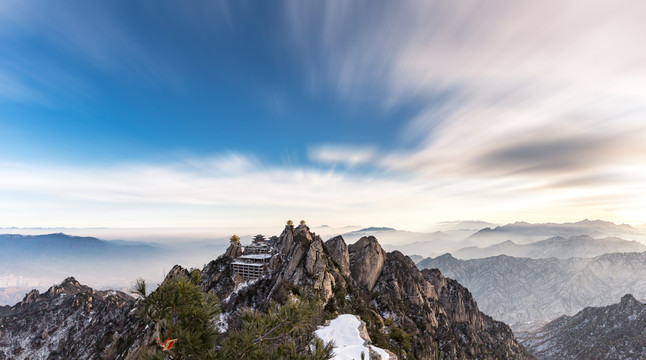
(234, 250)
(366, 261)
(69, 321)
(521, 290)
(339, 252)
(613, 332)
(306, 262)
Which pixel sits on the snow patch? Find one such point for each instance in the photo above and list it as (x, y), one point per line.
(348, 344)
(221, 323)
(239, 287)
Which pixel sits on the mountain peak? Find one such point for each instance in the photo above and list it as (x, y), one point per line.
(628, 299)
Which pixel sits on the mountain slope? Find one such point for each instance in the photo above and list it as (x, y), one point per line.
(558, 247)
(69, 321)
(617, 332)
(520, 290)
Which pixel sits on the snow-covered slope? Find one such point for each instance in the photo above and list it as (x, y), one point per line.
(350, 338)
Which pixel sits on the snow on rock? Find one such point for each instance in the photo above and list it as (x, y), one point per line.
(239, 288)
(348, 343)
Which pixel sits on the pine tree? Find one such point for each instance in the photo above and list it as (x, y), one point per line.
(235, 239)
(180, 309)
(284, 332)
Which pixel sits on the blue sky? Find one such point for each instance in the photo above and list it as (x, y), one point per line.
(141, 80)
(202, 114)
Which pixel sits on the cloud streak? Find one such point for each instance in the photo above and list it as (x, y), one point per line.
(546, 97)
(530, 111)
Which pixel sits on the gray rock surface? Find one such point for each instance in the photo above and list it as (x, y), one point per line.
(338, 250)
(366, 261)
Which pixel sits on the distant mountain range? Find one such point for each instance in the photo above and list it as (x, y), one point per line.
(617, 331)
(477, 239)
(559, 247)
(521, 290)
(523, 233)
(62, 246)
(33, 261)
(432, 243)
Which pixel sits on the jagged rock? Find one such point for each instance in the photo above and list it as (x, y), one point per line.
(58, 324)
(284, 242)
(459, 303)
(305, 261)
(175, 272)
(234, 250)
(217, 277)
(366, 261)
(338, 250)
(30, 297)
(400, 281)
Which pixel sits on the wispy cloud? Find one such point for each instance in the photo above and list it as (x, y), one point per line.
(534, 95)
(528, 110)
(342, 155)
(236, 191)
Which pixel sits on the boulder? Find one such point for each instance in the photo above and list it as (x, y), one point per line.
(366, 261)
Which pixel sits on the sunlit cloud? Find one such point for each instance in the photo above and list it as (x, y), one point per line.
(526, 111)
(342, 155)
(546, 98)
(234, 191)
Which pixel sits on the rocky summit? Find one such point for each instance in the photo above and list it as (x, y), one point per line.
(411, 313)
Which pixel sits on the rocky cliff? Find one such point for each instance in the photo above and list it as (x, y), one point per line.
(611, 332)
(415, 314)
(69, 321)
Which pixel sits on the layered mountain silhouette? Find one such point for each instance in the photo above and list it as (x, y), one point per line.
(558, 247)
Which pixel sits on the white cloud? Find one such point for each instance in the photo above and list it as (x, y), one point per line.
(534, 101)
(342, 155)
(220, 193)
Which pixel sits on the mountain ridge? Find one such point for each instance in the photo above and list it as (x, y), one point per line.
(611, 332)
(385, 289)
(559, 247)
(521, 290)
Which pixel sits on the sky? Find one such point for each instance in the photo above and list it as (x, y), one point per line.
(236, 114)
